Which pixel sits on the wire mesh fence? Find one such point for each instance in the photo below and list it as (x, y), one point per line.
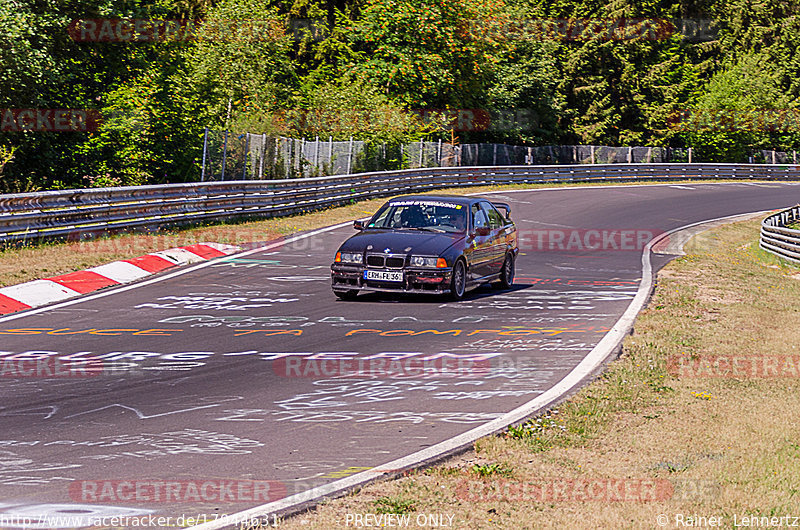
(774, 157)
(245, 156)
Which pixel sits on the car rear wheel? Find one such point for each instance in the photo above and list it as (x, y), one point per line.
(458, 283)
(507, 272)
(346, 295)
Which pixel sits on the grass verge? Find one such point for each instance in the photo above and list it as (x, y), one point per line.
(36, 261)
(646, 445)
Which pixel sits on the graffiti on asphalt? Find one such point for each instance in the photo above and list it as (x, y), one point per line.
(232, 301)
(19, 469)
(331, 393)
(356, 416)
(240, 321)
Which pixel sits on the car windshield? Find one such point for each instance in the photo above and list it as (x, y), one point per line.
(434, 216)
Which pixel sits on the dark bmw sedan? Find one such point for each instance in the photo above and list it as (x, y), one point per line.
(428, 244)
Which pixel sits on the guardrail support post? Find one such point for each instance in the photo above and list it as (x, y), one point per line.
(301, 158)
(224, 155)
(591, 151)
(316, 155)
(690, 155)
(246, 153)
(205, 152)
(263, 155)
(349, 156)
(330, 153)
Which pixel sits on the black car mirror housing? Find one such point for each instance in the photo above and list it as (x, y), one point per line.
(358, 225)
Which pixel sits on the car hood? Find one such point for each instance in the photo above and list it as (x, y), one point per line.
(401, 242)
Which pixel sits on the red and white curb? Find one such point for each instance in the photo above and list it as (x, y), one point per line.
(40, 292)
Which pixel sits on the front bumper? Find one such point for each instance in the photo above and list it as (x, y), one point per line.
(415, 280)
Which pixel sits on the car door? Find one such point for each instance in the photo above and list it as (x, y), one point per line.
(479, 243)
(497, 238)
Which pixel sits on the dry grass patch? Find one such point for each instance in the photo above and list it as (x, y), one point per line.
(725, 446)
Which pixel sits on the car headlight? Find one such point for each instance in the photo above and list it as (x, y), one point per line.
(349, 257)
(424, 261)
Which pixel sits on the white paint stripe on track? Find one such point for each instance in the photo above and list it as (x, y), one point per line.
(589, 365)
(38, 292)
(181, 272)
(120, 271)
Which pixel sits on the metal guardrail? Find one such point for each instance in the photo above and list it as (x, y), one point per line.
(776, 238)
(75, 214)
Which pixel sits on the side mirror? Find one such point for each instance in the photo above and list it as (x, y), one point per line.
(482, 231)
(358, 225)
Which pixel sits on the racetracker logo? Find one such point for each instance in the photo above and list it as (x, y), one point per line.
(48, 367)
(735, 366)
(459, 120)
(566, 490)
(300, 367)
(145, 30)
(588, 490)
(49, 120)
(175, 491)
(578, 240)
(603, 29)
(730, 120)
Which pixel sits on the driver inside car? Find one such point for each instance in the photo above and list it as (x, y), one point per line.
(413, 217)
(460, 222)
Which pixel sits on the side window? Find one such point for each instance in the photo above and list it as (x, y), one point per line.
(495, 219)
(479, 219)
(381, 218)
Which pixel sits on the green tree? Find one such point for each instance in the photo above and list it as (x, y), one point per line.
(742, 108)
(430, 54)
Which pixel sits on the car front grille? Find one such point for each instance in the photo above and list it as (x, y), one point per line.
(392, 262)
(395, 263)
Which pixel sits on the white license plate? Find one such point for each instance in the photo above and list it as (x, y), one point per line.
(384, 276)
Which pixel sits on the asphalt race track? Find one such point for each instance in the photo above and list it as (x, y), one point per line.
(244, 380)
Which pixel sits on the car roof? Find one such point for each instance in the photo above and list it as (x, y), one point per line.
(458, 199)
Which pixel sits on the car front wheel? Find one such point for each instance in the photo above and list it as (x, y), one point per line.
(458, 283)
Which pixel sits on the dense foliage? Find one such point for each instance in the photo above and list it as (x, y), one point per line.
(722, 77)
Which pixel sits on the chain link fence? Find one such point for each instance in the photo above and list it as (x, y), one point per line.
(245, 156)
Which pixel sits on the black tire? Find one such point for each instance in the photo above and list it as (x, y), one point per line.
(507, 273)
(346, 295)
(458, 281)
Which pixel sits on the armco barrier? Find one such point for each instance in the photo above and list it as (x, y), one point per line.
(776, 238)
(77, 213)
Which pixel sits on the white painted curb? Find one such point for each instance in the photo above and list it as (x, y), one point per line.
(120, 271)
(38, 293)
